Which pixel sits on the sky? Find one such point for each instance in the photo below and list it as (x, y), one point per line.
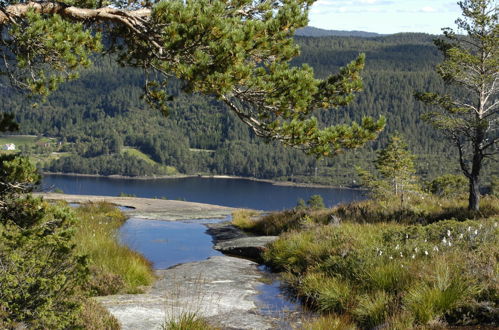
(384, 16)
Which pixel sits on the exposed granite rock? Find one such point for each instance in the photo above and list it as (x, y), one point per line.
(231, 240)
(221, 289)
(247, 247)
(150, 208)
(224, 231)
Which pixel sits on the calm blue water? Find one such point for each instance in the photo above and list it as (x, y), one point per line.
(226, 192)
(168, 243)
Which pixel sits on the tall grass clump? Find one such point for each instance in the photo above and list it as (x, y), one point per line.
(372, 309)
(276, 223)
(244, 219)
(328, 322)
(114, 267)
(328, 294)
(395, 275)
(188, 321)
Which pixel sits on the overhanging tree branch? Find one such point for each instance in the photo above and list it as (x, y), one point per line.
(236, 51)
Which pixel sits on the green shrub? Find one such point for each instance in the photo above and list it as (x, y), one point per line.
(449, 185)
(93, 316)
(316, 202)
(41, 272)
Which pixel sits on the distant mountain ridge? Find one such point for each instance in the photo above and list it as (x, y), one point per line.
(310, 31)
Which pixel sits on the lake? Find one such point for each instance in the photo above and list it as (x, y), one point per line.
(218, 191)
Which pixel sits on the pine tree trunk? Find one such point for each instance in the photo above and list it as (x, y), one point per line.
(476, 166)
(474, 181)
(474, 197)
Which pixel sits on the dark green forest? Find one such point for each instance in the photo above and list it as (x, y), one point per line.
(95, 116)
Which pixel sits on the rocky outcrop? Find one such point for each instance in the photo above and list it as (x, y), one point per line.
(233, 241)
(151, 208)
(221, 289)
(223, 231)
(247, 247)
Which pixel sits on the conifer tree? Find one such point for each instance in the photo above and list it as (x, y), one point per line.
(396, 172)
(470, 117)
(236, 50)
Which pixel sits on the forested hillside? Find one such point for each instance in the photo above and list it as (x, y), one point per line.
(96, 116)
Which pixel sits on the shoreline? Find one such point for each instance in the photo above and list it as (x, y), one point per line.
(150, 208)
(217, 176)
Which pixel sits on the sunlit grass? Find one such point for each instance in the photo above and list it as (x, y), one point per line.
(402, 276)
(188, 321)
(115, 268)
(244, 219)
(169, 170)
(424, 210)
(329, 322)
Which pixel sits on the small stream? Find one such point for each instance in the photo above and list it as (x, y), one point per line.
(168, 243)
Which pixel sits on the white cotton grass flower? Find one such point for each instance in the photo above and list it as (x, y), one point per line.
(397, 247)
(448, 233)
(406, 236)
(416, 249)
(444, 240)
(391, 258)
(435, 248)
(413, 256)
(476, 231)
(461, 236)
(425, 253)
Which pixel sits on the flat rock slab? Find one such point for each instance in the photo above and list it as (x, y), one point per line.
(222, 289)
(231, 240)
(224, 231)
(150, 208)
(248, 247)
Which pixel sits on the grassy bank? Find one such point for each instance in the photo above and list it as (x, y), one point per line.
(371, 264)
(114, 267)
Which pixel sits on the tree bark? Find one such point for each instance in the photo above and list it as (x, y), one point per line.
(130, 18)
(476, 166)
(474, 196)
